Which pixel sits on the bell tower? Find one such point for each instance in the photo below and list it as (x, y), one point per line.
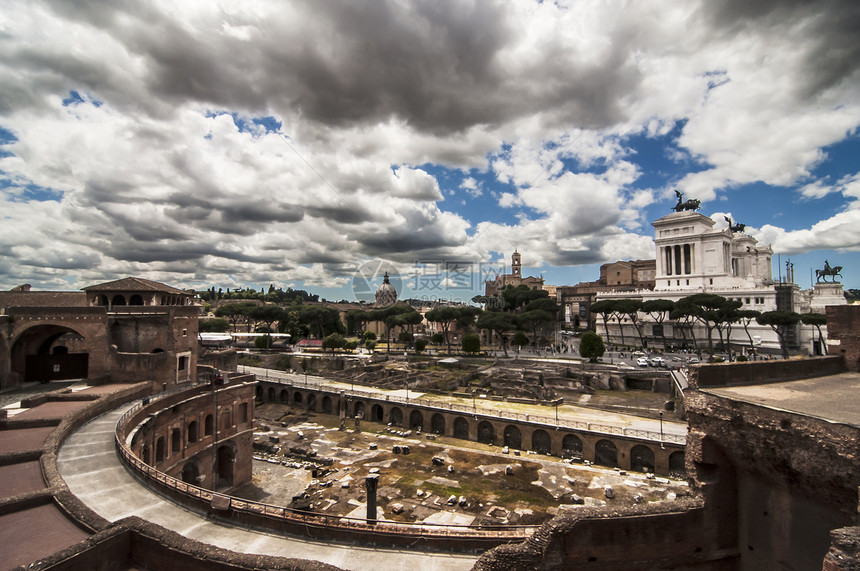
(516, 265)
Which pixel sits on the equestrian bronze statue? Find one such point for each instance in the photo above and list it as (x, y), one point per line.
(821, 275)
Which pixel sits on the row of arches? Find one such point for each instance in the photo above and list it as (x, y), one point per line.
(137, 299)
(603, 451)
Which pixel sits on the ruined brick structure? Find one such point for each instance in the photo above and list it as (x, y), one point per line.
(772, 459)
(123, 331)
(843, 326)
(183, 436)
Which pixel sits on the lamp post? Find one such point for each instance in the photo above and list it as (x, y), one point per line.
(661, 428)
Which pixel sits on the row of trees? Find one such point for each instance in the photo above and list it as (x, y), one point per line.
(272, 295)
(518, 310)
(716, 314)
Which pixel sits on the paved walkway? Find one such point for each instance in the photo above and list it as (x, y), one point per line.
(91, 468)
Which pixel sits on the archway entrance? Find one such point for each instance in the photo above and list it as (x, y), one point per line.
(513, 438)
(224, 466)
(190, 473)
(42, 353)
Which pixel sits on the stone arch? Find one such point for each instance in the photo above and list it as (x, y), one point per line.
(191, 472)
(571, 446)
(176, 441)
(605, 453)
(32, 355)
(641, 459)
(208, 425)
(461, 428)
(326, 404)
(192, 431)
(311, 402)
(486, 432)
(677, 466)
(160, 449)
(358, 409)
(437, 424)
(416, 420)
(395, 417)
(541, 442)
(285, 396)
(118, 299)
(297, 398)
(376, 413)
(135, 299)
(144, 454)
(271, 394)
(225, 457)
(512, 437)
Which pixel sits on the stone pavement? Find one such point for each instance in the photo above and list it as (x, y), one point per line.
(92, 470)
(833, 397)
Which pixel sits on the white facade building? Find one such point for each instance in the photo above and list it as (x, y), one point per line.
(695, 257)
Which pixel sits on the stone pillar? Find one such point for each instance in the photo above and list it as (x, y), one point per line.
(342, 406)
(371, 482)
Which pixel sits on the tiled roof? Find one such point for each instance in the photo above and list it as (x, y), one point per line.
(135, 284)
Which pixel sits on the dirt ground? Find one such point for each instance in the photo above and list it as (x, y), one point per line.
(303, 460)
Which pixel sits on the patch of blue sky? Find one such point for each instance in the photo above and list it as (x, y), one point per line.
(258, 125)
(475, 205)
(17, 192)
(7, 137)
(75, 98)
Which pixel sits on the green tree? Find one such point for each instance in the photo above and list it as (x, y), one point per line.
(263, 342)
(471, 344)
(520, 339)
(605, 308)
(781, 322)
(234, 312)
(444, 316)
(746, 316)
(659, 310)
(420, 345)
(350, 345)
(591, 346)
(499, 323)
(266, 314)
(816, 319)
(320, 318)
(630, 308)
(215, 325)
(333, 341)
(370, 345)
(437, 338)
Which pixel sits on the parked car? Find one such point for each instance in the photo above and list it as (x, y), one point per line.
(693, 360)
(642, 362)
(658, 362)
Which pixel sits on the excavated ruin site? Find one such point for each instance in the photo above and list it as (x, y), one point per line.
(303, 460)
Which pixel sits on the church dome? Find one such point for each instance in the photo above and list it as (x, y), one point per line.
(385, 293)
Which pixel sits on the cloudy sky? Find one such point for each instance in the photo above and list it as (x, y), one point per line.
(300, 143)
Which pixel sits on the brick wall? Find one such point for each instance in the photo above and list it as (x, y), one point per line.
(760, 372)
(843, 333)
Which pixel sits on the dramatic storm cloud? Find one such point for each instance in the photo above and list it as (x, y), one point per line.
(233, 143)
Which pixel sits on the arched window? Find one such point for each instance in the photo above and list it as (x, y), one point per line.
(160, 449)
(208, 425)
(192, 431)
